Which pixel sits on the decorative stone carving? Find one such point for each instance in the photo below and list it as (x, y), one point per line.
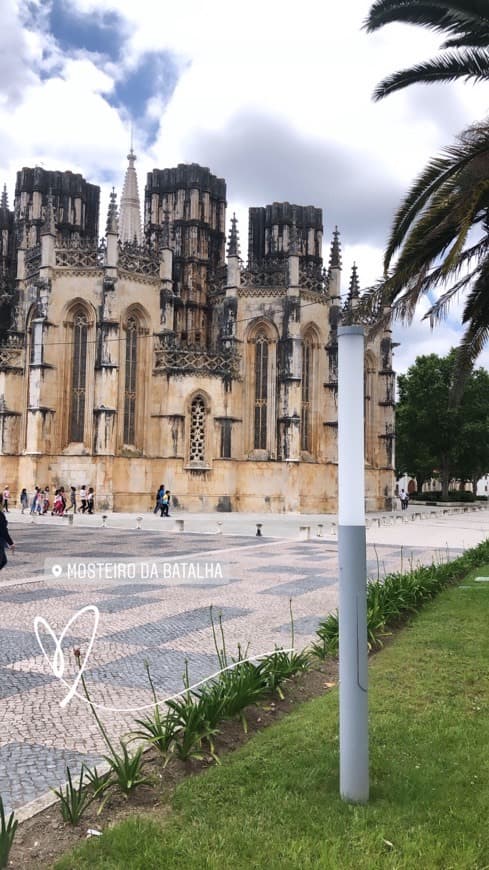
(188, 360)
(136, 258)
(78, 254)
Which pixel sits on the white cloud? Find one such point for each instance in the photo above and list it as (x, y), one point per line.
(309, 70)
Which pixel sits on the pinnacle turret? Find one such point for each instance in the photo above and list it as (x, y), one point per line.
(354, 288)
(112, 219)
(335, 252)
(4, 200)
(233, 244)
(130, 211)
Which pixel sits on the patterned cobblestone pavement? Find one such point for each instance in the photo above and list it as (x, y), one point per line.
(159, 621)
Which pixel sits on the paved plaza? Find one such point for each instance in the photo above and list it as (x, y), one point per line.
(164, 622)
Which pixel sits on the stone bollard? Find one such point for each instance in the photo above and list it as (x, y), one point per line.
(305, 533)
(179, 525)
(219, 528)
(104, 521)
(320, 531)
(333, 528)
(139, 521)
(258, 530)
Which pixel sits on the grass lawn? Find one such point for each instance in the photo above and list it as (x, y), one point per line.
(274, 803)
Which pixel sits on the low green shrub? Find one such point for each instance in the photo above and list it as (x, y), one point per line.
(397, 596)
(8, 828)
(436, 495)
(74, 798)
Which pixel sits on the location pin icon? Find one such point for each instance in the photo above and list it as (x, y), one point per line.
(57, 570)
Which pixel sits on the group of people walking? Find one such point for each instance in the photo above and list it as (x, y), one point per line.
(162, 501)
(63, 502)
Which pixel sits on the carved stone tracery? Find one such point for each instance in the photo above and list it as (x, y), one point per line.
(138, 259)
(188, 360)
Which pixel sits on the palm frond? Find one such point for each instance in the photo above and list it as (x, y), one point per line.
(471, 344)
(466, 18)
(470, 64)
(442, 176)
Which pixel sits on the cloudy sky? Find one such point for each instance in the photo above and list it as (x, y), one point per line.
(273, 95)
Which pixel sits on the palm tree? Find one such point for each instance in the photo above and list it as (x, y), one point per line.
(465, 22)
(441, 229)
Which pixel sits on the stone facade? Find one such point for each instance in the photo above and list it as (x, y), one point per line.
(125, 363)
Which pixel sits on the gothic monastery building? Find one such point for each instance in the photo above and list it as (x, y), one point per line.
(150, 356)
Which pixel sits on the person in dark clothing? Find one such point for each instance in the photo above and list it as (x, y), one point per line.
(5, 539)
(90, 500)
(159, 498)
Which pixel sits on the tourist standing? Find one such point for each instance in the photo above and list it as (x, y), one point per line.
(24, 500)
(45, 500)
(159, 497)
(72, 504)
(36, 501)
(83, 498)
(90, 500)
(5, 539)
(6, 496)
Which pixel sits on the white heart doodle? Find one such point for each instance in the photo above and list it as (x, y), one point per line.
(57, 664)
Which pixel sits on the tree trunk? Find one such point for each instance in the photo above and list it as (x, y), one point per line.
(445, 479)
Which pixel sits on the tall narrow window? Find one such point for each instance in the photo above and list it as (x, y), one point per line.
(261, 392)
(306, 415)
(78, 377)
(225, 452)
(130, 381)
(197, 430)
(369, 406)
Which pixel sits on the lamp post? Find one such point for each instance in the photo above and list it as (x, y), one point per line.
(354, 777)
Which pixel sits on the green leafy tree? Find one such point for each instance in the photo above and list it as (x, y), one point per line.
(434, 436)
(472, 459)
(440, 233)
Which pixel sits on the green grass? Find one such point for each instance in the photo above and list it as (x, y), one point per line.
(274, 803)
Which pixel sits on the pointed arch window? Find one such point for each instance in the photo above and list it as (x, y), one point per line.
(306, 398)
(130, 383)
(261, 392)
(197, 430)
(78, 377)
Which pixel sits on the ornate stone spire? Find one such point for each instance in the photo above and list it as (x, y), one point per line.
(335, 253)
(112, 219)
(233, 244)
(352, 297)
(130, 212)
(354, 288)
(4, 200)
(49, 228)
(334, 271)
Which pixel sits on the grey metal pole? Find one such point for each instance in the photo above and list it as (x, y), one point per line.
(352, 555)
